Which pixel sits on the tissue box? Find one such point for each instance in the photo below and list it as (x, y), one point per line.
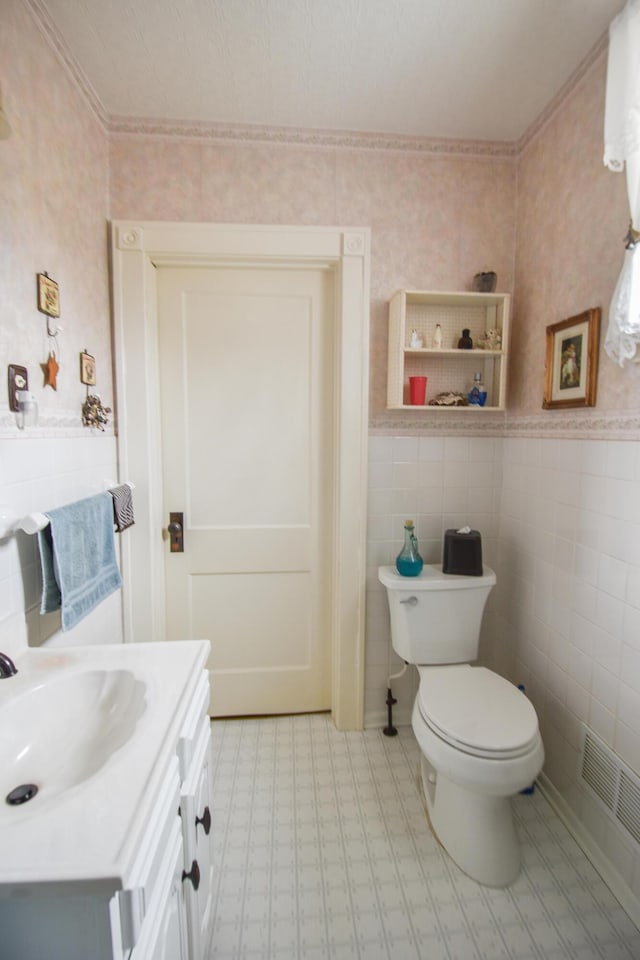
(462, 553)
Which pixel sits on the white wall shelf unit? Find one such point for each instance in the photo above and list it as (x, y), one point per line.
(447, 368)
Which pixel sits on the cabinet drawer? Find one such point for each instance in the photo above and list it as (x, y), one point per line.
(192, 724)
(133, 902)
(197, 829)
(163, 934)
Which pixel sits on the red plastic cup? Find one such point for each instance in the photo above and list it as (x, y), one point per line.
(417, 391)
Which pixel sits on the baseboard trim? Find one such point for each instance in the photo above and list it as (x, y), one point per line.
(379, 718)
(616, 883)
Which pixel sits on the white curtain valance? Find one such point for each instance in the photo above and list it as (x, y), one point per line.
(622, 151)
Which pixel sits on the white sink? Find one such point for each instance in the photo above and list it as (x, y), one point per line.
(62, 730)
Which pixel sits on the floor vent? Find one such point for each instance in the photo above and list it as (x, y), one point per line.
(614, 784)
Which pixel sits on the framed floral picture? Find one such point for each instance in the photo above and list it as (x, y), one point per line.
(48, 296)
(87, 369)
(571, 370)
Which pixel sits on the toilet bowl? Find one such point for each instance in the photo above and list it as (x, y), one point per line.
(478, 734)
(470, 770)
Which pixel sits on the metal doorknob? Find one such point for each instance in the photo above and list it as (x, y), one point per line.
(176, 532)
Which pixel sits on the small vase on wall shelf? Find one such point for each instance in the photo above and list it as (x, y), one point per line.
(465, 342)
(485, 282)
(409, 563)
(437, 337)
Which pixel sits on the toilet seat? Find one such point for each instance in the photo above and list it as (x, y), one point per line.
(477, 711)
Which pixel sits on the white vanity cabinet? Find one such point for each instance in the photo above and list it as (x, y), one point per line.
(126, 872)
(196, 818)
(163, 935)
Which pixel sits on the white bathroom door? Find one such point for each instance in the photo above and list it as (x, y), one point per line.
(246, 358)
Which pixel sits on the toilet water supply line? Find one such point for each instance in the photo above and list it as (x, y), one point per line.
(390, 730)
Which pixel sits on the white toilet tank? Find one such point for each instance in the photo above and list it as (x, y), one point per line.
(436, 617)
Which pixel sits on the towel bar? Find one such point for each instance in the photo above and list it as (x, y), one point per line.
(35, 521)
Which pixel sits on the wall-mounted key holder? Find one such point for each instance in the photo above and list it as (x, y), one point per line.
(17, 379)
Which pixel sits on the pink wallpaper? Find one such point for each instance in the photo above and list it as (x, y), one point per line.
(53, 198)
(435, 221)
(549, 222)
(572, 217)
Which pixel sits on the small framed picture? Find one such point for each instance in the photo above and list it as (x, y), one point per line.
(571, 371)
(88, 369)
(48, 296)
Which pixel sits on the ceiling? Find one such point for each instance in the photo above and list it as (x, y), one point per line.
(469, 69)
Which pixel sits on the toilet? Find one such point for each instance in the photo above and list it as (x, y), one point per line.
(477, 732)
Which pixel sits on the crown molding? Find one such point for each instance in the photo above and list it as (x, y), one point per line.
(57, 43)
(230, 133)
(563, 94)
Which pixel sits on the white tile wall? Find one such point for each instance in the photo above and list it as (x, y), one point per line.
(566, 620)
(560, 521)
(36, 475)
(438, 482)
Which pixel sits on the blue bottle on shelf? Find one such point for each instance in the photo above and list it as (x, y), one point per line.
(477, 396)
(409, 563)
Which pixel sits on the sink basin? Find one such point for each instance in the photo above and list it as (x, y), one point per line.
(60, 732)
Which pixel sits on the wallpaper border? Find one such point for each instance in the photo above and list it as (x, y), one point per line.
(616, 425)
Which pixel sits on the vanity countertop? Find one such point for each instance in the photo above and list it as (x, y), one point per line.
(87, 832)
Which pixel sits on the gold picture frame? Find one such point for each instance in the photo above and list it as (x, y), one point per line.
(571, 371)
(48, 295)
(88, 369)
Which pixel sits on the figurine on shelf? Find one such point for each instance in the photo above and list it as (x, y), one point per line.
(416, 342)
(492, 340)
(437, 337)
(465, 342)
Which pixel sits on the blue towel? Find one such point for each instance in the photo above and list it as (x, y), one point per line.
(78, 558)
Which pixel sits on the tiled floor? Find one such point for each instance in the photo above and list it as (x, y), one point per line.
(323, 851)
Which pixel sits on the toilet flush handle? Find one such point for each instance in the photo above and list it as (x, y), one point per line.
(411, 601)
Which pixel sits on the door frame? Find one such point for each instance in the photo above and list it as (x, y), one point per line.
(137, 247)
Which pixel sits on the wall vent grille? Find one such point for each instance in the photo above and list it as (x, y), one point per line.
(614, 784)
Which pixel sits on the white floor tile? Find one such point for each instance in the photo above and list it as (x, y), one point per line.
(323, 852)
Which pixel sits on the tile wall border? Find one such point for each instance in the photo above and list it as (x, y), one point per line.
(617, 425)
(51, 425)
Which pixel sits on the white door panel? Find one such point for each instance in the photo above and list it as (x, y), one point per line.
(246, 365)
(231, 605)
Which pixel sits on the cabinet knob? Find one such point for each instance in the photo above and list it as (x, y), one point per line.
(193, 875)
(205, 820)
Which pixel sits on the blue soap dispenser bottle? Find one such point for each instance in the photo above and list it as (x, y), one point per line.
(409, 563)
(477, 396)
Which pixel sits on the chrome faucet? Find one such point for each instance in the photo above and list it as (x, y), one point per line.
(7, 667)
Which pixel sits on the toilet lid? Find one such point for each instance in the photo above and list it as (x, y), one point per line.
(477, 711)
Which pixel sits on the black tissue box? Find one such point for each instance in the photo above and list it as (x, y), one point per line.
(462, 553)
